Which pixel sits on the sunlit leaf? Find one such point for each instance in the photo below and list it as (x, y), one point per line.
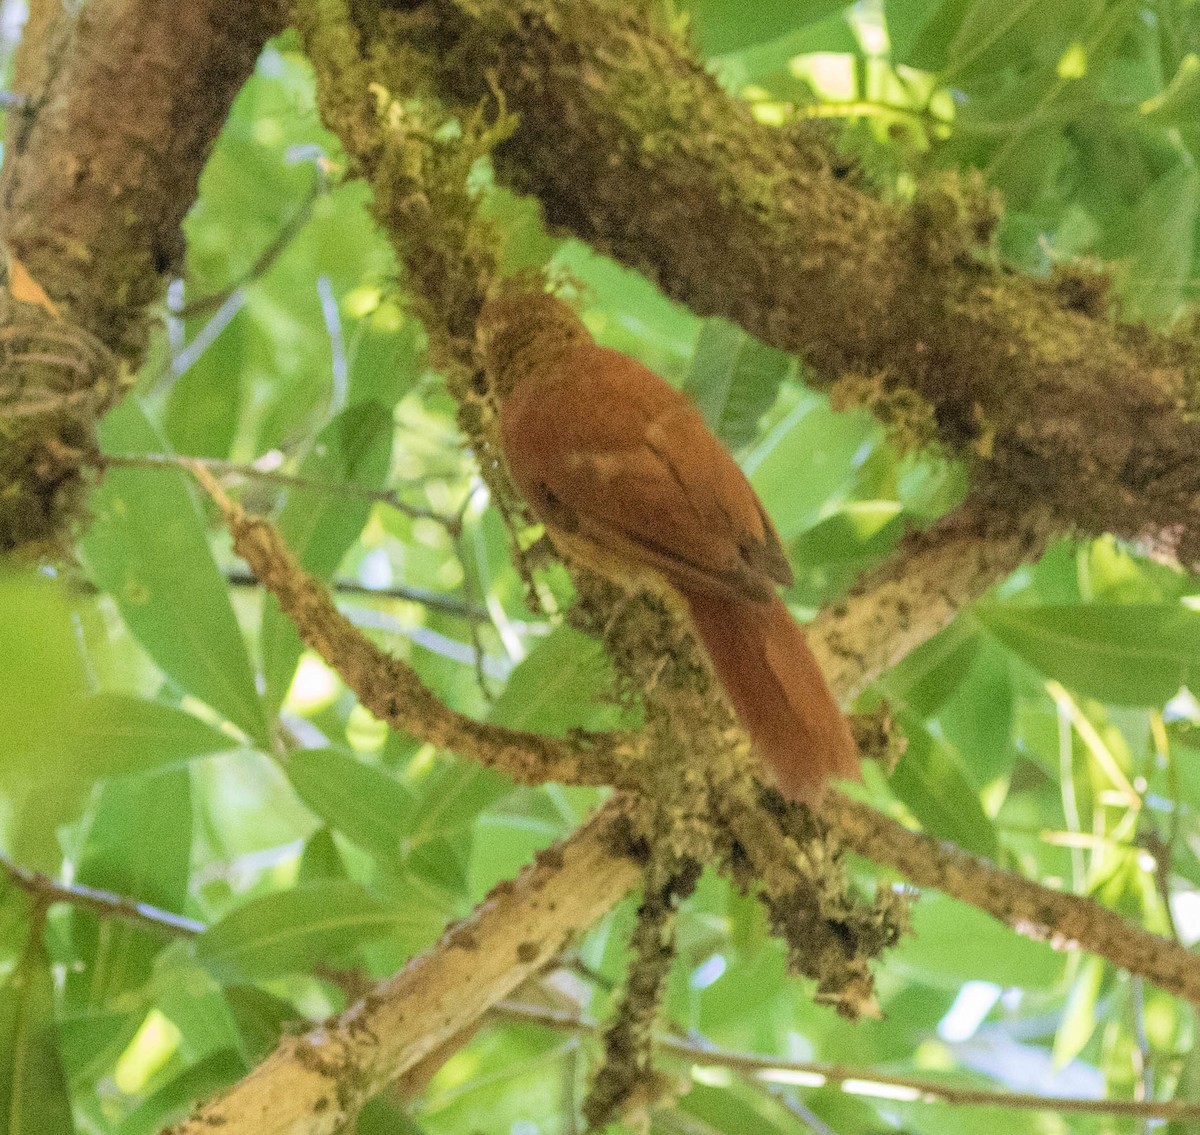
(354, 449)
(293, 930)
(932, 782)
(360, 800)
(148, 548)
(734, 380)
(1137, 654)
(33, 1091)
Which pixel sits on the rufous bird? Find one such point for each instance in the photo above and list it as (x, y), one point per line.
(629, 481)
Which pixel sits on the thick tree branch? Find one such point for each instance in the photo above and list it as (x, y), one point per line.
(100, 172)
(630, 143)
(313, 1084)
(336, 1067)
(920, 589)
(122, 102)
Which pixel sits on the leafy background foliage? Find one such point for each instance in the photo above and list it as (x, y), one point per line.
(164, 736)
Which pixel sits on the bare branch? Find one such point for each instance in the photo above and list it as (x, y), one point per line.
(391, 690)
(104, 903)
(1066, 921)
(389, 497)
(313, 1084)
(816, 1074)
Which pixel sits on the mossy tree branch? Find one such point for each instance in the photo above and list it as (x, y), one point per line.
(630, 143)
(122, 102)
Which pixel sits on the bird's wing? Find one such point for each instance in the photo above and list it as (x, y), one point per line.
(609, 453)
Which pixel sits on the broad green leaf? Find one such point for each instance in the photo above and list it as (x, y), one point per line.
(953, 942)
(293, 930)
(321, 861)
(16, 920)
(361, 801)
(921, 31)
(91, 1044)
(355, 448)
(734, 380)
(1139, 654)
(116, 734)
(1080, 1018)
(385, 1116)
(723, 27)
(148, 549)
(41, 674)
(859, 531)
(931, 781)
(137, 843)
(503, 843)
(33, 1090)
(1177, 104)
(41, 684)
(978, 718)
(202, 411)
(928, 676)
(261, 1019)
(175, 1098)
(1163, 237)
(808, 461)
(558, 686)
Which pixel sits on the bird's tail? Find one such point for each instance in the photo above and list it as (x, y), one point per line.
(778, 692)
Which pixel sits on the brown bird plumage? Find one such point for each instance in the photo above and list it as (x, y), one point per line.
(628, 479)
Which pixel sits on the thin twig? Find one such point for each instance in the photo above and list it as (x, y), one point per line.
(434, 600)
(224, 468)
(104, 903)
(816, 1073)
(288, 232)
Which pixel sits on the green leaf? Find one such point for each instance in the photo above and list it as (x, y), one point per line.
(932, 782)
(321, 860)
(723, 27)
(355, 448)
(41, 673)
(807, 461)
(41, 684)
(291, 931)
(953, 942)
(921, 31)
(91, 1043)
(173, 1100)
(202, 411)
(261, 1019)
(504, 843)
(1178, 103)
(929, 675)
(734, 380)
(147, 548)
(137, 842)
(384, 1116)
(1162, 231)
(116, 734)
(33, 1090)
(1139, 654)
(558, 686)
(859, 531)
(1080, 1017)
(978, 719)
(361, 801)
